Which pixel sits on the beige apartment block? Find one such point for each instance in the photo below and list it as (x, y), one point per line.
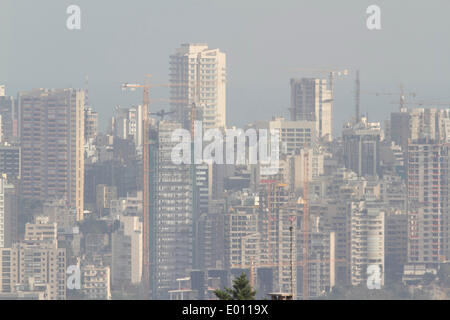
(36, 263)
(96, 282)
(198, 74)
(52, 137)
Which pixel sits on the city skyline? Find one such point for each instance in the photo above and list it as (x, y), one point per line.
(203, 152)
(255, 67)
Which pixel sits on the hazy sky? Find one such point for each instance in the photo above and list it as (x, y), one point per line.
(265, 41)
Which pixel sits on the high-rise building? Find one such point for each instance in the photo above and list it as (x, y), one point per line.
(96, 282)
(211, 236)
(367, 227)
(242, 234)
(311, 100)
(131, 205)
(399, 128)
(105, 194)
(127, 251)
(52, 141)
(396, 243)
(297, 168)
(127, 124)
(419, 123)
(8, 116)
(171, 213)
(361, 147)
(8, 213)
(10, 161)
(321, 264)
(199, 76)
(428, 123)
(427, 183)
(294, 135)
(90, 123)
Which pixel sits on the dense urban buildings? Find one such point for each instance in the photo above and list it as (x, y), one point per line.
(36, 263)
(88, 212)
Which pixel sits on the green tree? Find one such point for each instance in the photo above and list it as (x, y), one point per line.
(242, 290)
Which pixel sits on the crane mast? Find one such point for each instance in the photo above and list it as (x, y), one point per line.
(305, 227)
(146, 174)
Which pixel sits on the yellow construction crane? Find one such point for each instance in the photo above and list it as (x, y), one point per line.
(332, 74)
(426, 103)
(146, 172)
(402, 95)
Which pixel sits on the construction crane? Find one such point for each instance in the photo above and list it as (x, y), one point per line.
(269, 183)
(291, 253)
(332, 74)
(162, 113)
(305, 226)
(86, 91)
(426, 103)
(305, 241)
(291, 264)
(357, 97)
(165, 100)
(402, 96)
(146, 172)
(193, 118)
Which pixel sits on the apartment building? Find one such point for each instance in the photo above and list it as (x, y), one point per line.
(38, 259)
(361, 147)
(427, 184)
(8, 213)
(311, 100)
(96, 282)
(305, 160)
(127, 124)
(10, 161)
(90, 123)
(172, 212)
(198, 76)
(52, 142)
(396, 243)
(8, 117)
(127, 251)
(367, 240)
(294, 135)
(242, 231)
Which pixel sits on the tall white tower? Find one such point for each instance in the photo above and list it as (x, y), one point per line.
(203, 70)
